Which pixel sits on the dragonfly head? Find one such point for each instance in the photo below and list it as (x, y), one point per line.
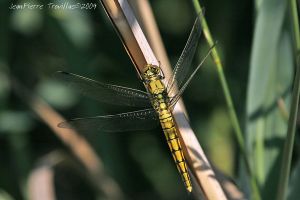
(151, 72)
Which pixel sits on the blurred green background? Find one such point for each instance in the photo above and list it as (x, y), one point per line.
(37, 43)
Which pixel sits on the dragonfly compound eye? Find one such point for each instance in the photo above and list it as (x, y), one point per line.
(151, 71)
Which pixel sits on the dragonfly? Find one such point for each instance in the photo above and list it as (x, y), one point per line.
(156, 103)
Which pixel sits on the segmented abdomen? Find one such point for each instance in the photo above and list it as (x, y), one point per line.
(170, 131)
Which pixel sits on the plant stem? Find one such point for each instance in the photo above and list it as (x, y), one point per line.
(295, 25)
(229, 102)
(289, 142)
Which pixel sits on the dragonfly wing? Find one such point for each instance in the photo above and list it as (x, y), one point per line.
(106, 93)
(130, 121)
(175, 99)
(183, 64)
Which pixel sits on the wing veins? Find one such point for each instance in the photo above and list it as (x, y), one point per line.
(185, 59)
(107, 93)
(130, 121)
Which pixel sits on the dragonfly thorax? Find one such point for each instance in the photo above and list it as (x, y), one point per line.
(153, 79)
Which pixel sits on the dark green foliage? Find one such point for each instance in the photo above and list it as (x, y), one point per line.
(34, 44)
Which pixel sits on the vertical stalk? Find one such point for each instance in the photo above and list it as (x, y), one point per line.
(289, 142)
(229, 102)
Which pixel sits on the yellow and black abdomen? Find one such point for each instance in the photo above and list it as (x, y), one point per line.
(160, 99)
(170, 131)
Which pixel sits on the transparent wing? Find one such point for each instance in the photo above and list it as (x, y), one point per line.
(183, 64)
(174, 100)
(130, 121)
(106, 93)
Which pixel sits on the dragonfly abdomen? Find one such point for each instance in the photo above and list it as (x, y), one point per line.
(160, 102)
(168, 125)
